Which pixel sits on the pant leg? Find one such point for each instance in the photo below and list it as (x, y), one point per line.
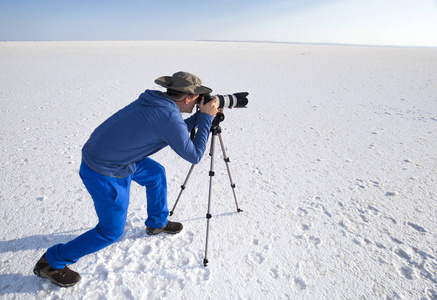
(111, 201)
(151, 174)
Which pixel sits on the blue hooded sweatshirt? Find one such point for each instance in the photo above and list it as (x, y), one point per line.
(142, 128)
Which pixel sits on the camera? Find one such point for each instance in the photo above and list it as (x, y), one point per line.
(234, 100)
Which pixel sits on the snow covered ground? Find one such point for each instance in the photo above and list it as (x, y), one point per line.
(334, 161)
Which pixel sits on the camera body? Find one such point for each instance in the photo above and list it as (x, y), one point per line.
(236, 100)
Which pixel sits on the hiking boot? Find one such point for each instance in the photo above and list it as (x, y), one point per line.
(171, 227)
(62, 277)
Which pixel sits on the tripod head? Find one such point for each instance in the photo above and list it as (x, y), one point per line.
(219, 117)
(215, 126)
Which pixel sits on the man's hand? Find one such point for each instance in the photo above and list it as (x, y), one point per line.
(210, 108)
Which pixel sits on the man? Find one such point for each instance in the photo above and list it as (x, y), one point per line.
(118, 151)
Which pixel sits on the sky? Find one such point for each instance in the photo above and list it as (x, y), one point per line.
(367, 22)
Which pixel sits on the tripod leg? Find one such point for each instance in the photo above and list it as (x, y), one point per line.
(208, 215)
(226, 158)
(182, 189)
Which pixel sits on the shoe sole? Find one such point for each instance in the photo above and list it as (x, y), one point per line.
(170, 232)
(37, 273)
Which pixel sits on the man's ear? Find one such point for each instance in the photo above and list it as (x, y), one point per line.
(187, 99)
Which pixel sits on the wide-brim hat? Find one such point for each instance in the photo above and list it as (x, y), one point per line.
(183, 82)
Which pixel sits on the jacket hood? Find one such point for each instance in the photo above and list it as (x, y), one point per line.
(156, 98)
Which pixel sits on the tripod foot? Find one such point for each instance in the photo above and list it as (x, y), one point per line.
(238, 210)
(205, 262)
(171, 213)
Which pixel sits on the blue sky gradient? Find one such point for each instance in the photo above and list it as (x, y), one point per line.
(376, 22)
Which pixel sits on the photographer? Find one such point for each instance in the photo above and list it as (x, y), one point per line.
(118, 151)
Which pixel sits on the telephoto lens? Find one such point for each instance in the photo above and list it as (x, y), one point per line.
(234, 100)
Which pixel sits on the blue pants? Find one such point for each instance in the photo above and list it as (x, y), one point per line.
(111, 201)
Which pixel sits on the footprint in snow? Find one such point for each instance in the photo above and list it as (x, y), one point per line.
(326, 212)
(401, 253)
(274, 272)
(255, 258)
(407, 272)
(303, 210)
(257, 171)
(299, 283)
(417, 227)
(315, 240)
(200, 275)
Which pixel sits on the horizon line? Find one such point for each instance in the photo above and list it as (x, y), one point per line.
(240, 41)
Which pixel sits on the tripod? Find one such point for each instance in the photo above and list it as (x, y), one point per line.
(216, 131)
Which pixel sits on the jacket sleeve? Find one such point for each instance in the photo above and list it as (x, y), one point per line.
(178, 138)
(191, 121)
